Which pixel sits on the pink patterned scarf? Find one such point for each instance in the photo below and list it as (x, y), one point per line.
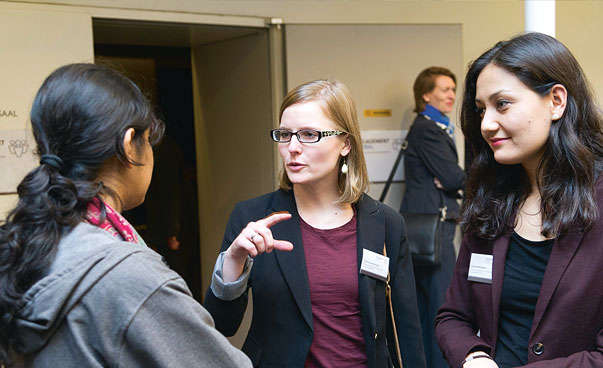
(114, 223)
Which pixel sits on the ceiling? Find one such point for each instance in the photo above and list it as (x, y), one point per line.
(141, 33)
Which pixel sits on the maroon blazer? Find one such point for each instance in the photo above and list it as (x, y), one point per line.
(567, 330)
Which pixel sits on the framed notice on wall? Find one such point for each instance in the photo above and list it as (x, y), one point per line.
(17, 157)
(381, 148)
(35, 41)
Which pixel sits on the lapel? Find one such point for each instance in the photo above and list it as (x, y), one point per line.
(499, 252)
(442, 130)
(370, 234)
(450, 142)
(562, 253)
(292, 264)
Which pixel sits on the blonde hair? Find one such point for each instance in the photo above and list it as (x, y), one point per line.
(339, 107)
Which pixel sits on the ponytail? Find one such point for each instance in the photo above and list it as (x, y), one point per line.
(79, 118)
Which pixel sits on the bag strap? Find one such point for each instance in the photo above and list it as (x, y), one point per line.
(390, 178)
(388, 293)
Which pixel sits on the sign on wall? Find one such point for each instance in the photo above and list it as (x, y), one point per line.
(381, 147)
(35, 41)
(17, 157)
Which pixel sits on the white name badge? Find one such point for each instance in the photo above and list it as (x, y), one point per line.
(480, 268)
(374, 265)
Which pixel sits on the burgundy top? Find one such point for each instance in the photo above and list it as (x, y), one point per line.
(332, 264)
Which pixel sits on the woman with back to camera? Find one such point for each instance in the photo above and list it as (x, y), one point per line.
(311, 306)
(78, 286)
(433, 180)
(527, 289)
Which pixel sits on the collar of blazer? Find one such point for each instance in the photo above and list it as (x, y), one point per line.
(370, 235)
(441, 129)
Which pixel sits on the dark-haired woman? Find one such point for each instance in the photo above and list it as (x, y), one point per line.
(527, 289)
(78, 286)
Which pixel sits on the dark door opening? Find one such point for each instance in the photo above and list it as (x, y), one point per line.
(168, 219)
(225, 71)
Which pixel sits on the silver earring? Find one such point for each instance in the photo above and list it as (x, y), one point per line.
(344, 168)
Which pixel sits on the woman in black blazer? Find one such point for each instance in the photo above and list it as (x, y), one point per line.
(311, 305)
(433, 176)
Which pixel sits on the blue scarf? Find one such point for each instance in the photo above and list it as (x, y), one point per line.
(441, 120)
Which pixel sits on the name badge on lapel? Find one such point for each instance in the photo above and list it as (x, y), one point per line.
(374, 265)
(480, 268)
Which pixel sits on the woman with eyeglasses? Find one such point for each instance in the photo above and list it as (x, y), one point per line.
(527, 289)
(300, 249)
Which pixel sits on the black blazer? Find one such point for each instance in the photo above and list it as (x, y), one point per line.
(281, 328)
(431, 153)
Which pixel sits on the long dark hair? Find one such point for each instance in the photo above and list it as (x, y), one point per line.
(572, 155)
(79, 118)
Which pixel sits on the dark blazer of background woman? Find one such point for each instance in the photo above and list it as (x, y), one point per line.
(281, 329)
(431, 153)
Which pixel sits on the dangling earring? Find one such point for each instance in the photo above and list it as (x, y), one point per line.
(344, 167)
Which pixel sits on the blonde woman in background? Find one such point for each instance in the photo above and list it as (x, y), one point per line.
(433, 180)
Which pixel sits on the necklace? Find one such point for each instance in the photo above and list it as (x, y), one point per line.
(531, 214)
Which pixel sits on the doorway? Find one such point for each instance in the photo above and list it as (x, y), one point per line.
(168, 218)
(211, 86)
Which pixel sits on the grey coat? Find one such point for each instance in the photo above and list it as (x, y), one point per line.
(109, 303)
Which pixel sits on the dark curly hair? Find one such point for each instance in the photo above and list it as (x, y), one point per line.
(79, 118)
(572, 155)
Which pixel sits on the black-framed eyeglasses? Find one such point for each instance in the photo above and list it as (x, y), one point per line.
(303, 135)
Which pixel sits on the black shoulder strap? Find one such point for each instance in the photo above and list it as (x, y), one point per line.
(388, 183)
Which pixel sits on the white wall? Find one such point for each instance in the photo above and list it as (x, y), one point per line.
(580, 28)
(34, 43)
(379, 63)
